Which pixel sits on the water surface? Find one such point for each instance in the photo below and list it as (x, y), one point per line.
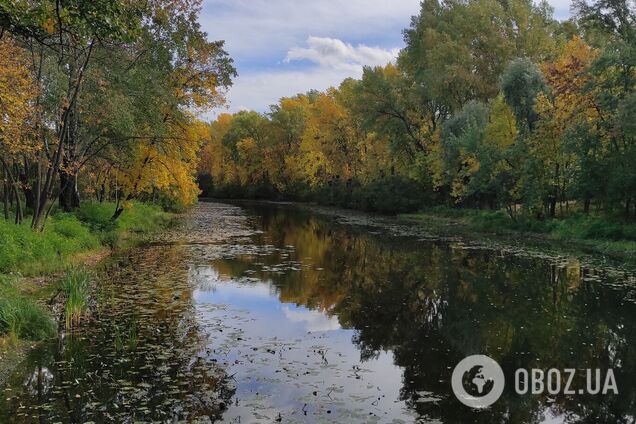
(269, 313)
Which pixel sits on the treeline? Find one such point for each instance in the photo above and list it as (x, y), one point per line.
(491, 104)
(100, 99)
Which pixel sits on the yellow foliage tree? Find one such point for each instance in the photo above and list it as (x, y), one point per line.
(559, 111)
(167, 164)
(17, 113)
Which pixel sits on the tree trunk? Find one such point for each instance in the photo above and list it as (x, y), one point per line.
(38, 189)
(117, 214)
(6, 200)
(69, 194)
(552, 201)
(102, 193)
(67, 129)
(586, 205)
(24, 176)
(10, 182)
(18, 206)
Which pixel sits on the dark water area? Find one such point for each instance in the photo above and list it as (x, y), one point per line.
(271, 313)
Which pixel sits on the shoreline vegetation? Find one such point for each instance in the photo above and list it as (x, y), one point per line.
(589, 234)
(46, 278)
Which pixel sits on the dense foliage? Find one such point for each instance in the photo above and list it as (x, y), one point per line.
(491, 104)
(101, 97)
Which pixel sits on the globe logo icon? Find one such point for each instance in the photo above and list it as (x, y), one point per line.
(478, 381)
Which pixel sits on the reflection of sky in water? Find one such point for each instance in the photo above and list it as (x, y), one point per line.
(292, 360)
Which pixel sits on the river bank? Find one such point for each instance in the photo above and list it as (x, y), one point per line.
(34, 265)
(587, 234)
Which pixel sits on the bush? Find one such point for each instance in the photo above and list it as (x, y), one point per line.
(582, 226)
(97, 216)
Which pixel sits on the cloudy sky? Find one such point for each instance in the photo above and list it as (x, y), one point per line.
(283, 47)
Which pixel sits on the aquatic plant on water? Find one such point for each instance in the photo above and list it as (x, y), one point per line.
(75, 287)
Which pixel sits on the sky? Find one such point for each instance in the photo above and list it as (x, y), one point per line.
(285, 47)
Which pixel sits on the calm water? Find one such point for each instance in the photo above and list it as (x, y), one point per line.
(273, 314)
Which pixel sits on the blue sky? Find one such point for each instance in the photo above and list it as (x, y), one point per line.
(283, 47)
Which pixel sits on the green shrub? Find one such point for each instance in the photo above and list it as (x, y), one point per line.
(143, 218)
(97, 216)
(140, 217)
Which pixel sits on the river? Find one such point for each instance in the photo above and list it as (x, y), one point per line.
(277, 313)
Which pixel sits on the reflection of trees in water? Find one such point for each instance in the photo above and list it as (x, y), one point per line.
(140, 359)
(434, 304)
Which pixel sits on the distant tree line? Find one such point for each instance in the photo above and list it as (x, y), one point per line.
(491, 104)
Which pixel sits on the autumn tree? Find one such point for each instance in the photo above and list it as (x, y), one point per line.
(18, 92)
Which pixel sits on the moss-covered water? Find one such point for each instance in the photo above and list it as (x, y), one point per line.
(269, 313)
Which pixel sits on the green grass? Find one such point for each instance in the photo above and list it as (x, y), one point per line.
(65, 235)
(29, 252)
(603, 234)
(75, 286)
(20, 317)
(140, 220)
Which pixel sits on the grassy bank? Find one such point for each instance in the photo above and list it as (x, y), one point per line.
(600, 234)
(65, 236)
(37, 268)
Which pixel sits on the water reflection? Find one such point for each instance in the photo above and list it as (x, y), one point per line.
(315, 321)
(293, 363)
(140, 358)
(423, 306)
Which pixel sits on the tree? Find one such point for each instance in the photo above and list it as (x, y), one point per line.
(559, 112)
(611, 26)
(119, 78)
(521, 83)
(456, 51)
(17, 96)
(387, 103)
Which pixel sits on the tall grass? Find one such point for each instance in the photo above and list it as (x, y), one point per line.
(31, 253)
(20, 317)
(75, 286)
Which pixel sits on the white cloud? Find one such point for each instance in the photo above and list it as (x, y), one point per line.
(336, 54)
(314, 320)
(334, 61)
(255, 28)
(257, 91)
(268, 38)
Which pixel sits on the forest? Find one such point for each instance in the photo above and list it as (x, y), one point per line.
(100, 101)
(490, 105)
(135, 288)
